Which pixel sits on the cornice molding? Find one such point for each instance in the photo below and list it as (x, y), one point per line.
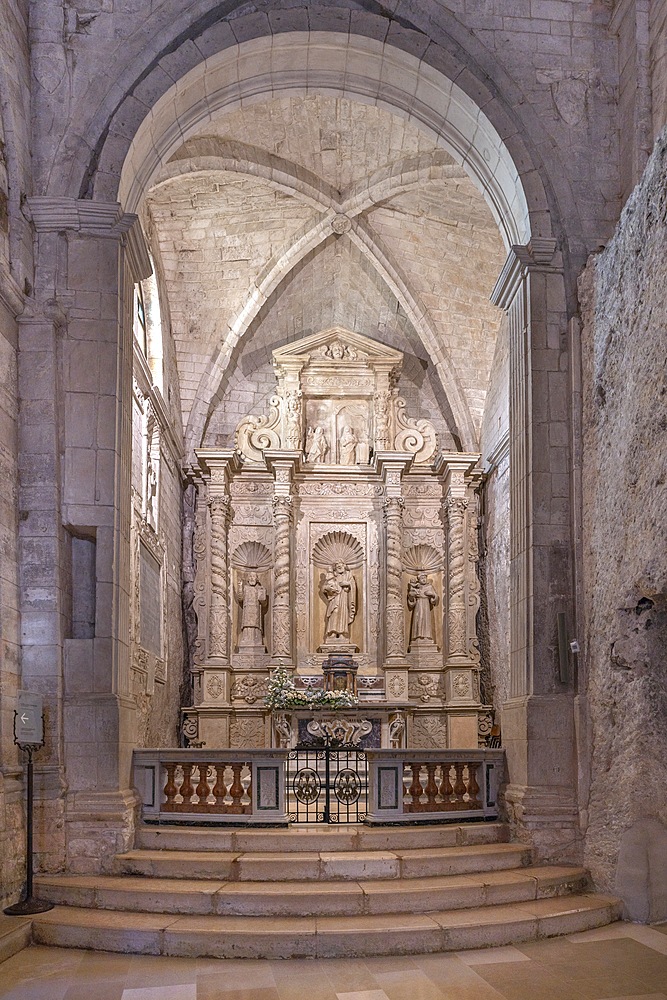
(538, 255)
(94, 218)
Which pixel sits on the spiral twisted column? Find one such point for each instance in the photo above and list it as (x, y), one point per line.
(282, 615)
(456, 507)
(218, 628)
(395, 623)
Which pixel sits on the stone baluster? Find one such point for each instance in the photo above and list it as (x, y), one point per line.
(186, 787)
(282, 625)
(394, 617)
(456, 607)
(218, 636)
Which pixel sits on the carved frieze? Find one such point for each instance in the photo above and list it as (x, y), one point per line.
(251, 489)
(339, 489)
(252, 513)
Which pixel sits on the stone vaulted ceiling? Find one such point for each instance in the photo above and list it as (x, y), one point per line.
(249, 227)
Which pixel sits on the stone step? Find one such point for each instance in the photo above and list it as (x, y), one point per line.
(182, 896)
(221, 936)
(15, 934)
(318, 837)
(317, 866)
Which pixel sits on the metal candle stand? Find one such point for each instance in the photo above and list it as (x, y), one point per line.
(29, 904)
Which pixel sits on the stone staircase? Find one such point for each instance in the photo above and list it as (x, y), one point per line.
(318, 892)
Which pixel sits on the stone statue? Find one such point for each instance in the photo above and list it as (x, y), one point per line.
(422, 598)
(293, 419)
(253, 599)
(340, 593)
(319, 446)
(347, 447)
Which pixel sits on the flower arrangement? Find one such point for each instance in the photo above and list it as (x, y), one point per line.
(282, 693)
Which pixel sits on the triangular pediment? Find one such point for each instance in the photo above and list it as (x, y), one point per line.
(324, 346)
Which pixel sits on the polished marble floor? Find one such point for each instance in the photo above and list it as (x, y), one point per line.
(624, 962)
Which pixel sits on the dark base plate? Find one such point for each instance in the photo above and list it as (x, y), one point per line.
(28, 906)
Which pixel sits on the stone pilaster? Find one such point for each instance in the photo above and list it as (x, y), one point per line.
(212, 677)
(537, 719)
(80, 340)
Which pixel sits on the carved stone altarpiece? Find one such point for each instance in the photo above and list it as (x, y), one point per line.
(335, 526)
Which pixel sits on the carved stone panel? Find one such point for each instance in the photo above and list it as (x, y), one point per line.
(247, 732)
(429, 732)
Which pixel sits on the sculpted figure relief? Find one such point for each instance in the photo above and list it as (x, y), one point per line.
(318, 446)
(340, 593)
(347, 447)
(422, 598)
(253, 599)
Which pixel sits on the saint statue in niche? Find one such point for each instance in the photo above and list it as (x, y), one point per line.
(318, 447)
(252, 598)
(422, 598)
(347, 447)
(340, 592)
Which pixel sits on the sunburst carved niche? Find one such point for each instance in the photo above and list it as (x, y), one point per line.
(338, 546)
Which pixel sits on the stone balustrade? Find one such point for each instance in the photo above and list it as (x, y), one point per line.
(406, 786)
(249, 787)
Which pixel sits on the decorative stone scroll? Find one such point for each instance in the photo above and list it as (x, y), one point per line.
(345, 730)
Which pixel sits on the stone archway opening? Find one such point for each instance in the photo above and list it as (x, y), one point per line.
(260, 243)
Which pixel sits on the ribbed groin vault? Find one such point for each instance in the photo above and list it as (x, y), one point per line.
(327, 349)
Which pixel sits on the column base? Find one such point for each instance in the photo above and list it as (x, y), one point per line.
(99, 826)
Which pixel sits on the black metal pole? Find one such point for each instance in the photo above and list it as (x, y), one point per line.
(29, 904)
(327, 791)
(28, 828)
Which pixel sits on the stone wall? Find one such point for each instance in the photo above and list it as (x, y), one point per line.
(658, 63)
(15, 271)
(495, 548)
(624, 302)
(11, 816)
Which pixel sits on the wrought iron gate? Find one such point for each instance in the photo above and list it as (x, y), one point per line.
(327, 783)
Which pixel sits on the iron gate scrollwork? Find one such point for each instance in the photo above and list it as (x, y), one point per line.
(327, 782)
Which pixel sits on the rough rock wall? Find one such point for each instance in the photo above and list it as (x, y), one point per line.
(624, 304)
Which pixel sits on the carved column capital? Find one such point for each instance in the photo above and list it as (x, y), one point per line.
(220, 506)
(393, 507)
(282, 507)
(455, 507)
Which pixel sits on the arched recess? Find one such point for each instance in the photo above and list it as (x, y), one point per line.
(530, 288)
(303, 62)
